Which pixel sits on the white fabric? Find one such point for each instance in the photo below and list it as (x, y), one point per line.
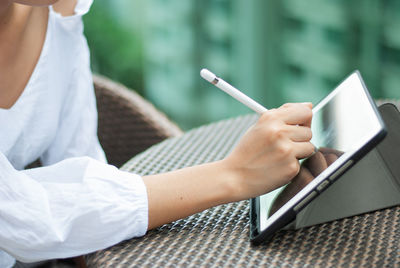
(6, 260)
(77, 203)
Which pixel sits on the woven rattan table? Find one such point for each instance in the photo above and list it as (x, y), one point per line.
(220, 236)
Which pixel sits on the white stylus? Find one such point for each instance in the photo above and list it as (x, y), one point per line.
(235, 93)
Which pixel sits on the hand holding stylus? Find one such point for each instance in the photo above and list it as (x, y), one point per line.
(235, 93)
(276, 141)
(264, 159)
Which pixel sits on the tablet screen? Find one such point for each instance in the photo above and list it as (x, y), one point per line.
(342, 123)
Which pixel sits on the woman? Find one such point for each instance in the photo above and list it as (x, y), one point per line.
(77, 203)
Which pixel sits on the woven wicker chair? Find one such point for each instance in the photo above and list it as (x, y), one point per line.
(128, 124)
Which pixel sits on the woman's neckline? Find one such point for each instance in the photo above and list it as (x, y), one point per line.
(34, 72)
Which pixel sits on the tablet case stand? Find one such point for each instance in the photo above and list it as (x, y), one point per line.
(372, 183)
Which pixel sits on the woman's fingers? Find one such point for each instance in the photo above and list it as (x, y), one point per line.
(297, 117)
(296, 113)
(299, 133)
(303, 149)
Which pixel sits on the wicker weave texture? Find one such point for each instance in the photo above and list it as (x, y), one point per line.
(219, 237)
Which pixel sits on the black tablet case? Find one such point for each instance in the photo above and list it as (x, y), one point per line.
(372, 183)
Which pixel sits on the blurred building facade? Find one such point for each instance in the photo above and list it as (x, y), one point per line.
(273, 50)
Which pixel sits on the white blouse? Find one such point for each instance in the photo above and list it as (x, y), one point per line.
(77, 203)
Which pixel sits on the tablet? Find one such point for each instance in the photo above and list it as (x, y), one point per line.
(345, 126)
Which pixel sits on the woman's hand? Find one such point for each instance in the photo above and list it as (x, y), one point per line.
(267, 155)
(265, 158)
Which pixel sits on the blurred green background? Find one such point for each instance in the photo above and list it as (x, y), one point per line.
(275, 51)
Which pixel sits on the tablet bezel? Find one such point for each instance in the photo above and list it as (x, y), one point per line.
(287, 213)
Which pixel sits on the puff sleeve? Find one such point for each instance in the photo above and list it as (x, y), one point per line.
(76, 206)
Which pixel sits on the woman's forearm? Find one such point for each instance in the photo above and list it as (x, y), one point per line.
(183, 192)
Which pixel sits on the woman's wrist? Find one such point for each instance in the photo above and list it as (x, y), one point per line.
(233, 179)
